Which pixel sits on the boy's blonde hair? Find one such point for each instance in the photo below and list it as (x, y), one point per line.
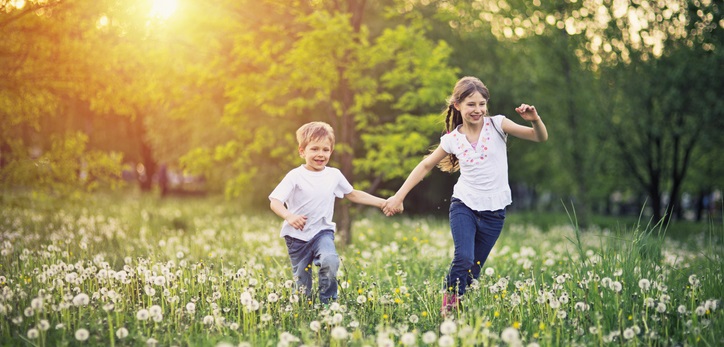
(315, 131)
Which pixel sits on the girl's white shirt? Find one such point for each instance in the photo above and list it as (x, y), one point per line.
(311, 193)
(483, 183)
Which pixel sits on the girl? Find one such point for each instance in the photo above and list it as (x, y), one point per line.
(475, 144)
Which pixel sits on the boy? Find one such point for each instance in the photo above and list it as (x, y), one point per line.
(308, 192)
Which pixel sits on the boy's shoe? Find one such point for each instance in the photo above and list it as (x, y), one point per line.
(450, 303)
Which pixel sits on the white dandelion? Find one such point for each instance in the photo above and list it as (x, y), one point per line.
(81, 299)
(448, 327)
(315, 326)
(408, 339)
(446, 341)
(121, 333)
(429, 337)
(208, 320)
(44, 325)
(510, 335)
(151, 342)
(191, 308)
(339, 333)
(142, 314)
(414, 319)
(661, 307)
(33, 334)
(81, 334)
(628, 334)
(361, 299)
(489, 271)
(644, 284)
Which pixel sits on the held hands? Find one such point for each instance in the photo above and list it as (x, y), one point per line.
(392, 206)
(528, 112)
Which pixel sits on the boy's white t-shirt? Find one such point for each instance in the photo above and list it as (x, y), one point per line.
(483, 183)
(311, 193)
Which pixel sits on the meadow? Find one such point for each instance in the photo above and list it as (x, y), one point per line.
(137, 271)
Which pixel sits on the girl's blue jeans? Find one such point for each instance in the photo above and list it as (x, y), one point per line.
(474, 235)
(320, 251)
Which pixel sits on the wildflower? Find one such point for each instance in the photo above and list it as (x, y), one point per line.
(661, 307)
(37, 304)
(81, 334)
(339, 333)
(121, 333)
(628, 334)
(616, 286)
(159, 280)
(155, 310)
(489, 271)
(337, 318)
(361, 299)
(158, 318)
(711, 305)
(510, 335)
(151, 342)
(33, 334)
(644, 284)
(142, 314)
(562, 314)
(414, 319)
(448, 327)
(429, 337)
(81, 299)
(191, 308)
(700, 310)
(294, 298)
(272, 297)
(681, 309)
(581, 306)
(694, 281)
(29, 312)
(446, 341)
(408, 339)
(208, 320)
(315, 325)
(44, 325)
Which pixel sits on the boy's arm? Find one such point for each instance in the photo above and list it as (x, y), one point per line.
(296, 221)
(364, 198)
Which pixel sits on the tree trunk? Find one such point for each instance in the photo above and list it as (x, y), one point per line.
(145, 180)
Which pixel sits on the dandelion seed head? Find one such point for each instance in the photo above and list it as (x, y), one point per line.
(429, 337)
(81, 334)
(408, 339)
(33, 334)
(315, 326)
(121, 333)
(448, 327)
(142, 314)
(446, 341)
(339, 333)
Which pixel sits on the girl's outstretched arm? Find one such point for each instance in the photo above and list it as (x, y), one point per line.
(394, 203)
(536, 132)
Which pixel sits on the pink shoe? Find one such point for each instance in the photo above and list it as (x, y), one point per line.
(450, 302)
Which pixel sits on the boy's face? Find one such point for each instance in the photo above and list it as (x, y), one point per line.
(316, 154)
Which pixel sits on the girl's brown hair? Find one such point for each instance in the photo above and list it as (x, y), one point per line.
(465, 87)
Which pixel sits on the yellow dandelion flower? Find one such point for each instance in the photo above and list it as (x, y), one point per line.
(398, 301)
(630, 317)
(360, 291)
(385, 316)
(397, 290)
(536, 335)
(496, 314)
(542, 326)
(424, 313)
(516, 325)
(488, 324)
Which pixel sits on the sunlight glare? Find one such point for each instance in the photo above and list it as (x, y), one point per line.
(163, 9)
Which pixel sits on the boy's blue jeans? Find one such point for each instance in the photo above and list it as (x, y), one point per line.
(474, 235)
(320, 251)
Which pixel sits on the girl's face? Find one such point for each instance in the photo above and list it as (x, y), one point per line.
(316, 154)
(473, 108)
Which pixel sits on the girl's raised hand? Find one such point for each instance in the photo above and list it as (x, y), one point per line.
(528, 112)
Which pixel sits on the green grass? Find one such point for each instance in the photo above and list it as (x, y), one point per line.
(103, 264)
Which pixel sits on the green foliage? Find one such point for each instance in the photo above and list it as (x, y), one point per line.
(66, 170)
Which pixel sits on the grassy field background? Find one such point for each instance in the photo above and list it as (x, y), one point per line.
(130, 270)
